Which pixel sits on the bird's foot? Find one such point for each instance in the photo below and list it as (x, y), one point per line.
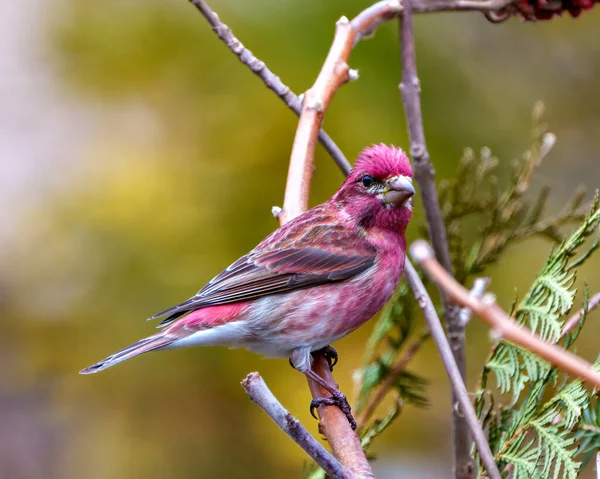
(337, 399)
(331, 355)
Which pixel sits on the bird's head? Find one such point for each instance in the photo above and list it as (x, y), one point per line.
(378, 191)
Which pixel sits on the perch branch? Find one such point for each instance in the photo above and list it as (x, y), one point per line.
(261, 395)
(334, 425)
(396, 370)
(410, 88)
(460, 391)
(502, 325)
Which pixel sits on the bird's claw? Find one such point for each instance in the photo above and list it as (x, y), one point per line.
(331, 355)
(337, 399)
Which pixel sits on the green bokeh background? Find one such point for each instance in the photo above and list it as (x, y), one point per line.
(174, 179)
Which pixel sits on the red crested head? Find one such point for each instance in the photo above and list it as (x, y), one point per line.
(378, 191)
(382, 162)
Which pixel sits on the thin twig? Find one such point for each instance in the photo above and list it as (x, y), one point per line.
(424, 172)
(502, 325)
(262, 395)
(486, 6)
(479, 287)
(573, 321)
(271, 81)
(460, 391)
(395, 371)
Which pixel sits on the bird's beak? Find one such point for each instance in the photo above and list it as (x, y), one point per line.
(398, 190)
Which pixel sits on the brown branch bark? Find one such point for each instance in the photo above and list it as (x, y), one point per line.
(262, 395)
(410, 88)
(502, 325)
(479, 287)
(334, 425)
(458, 385)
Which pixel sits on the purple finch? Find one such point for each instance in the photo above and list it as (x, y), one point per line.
(309, 283)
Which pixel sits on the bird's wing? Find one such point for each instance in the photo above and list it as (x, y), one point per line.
(295, 258)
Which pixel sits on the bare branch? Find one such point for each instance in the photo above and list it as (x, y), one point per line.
(410, 88)
(271, 81)
(261, 395)
(486, 6)
(502, 325)
(460, 391)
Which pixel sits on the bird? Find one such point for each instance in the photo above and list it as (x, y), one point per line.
(309, 283)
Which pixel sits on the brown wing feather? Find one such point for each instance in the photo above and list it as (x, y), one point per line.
(296, 256)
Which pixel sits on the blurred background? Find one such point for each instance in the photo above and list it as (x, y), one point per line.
(138, 158)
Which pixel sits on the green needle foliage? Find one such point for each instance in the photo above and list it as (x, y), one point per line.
(533, 435)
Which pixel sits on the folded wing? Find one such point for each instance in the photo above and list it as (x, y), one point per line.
(311, 256)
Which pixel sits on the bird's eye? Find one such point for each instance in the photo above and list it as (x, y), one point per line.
(366, 181)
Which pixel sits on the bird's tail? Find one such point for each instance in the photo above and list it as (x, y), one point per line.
(151, 343)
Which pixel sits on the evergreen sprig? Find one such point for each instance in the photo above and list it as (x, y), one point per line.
(539, 438)
(473, 200)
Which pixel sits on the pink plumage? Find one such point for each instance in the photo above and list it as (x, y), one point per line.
(309, 283)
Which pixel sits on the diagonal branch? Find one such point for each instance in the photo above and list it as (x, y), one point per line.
(425, 175)
(334, 425)
(261, 395)
(458, 386)
(502, 325)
